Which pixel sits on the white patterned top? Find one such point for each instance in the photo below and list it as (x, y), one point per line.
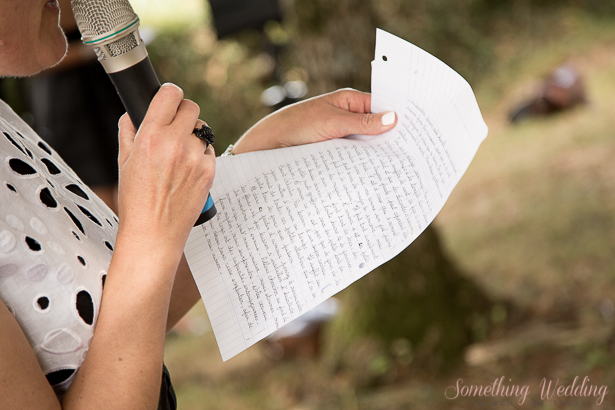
(56, 241)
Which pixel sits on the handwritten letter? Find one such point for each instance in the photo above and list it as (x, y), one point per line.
(297, 225)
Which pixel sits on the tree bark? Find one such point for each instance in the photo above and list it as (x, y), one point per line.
(420, 295)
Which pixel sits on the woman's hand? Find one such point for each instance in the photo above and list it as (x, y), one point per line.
(334, 115)
(165, 171)
(165, 176)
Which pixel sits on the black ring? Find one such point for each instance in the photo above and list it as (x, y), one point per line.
(205, 133)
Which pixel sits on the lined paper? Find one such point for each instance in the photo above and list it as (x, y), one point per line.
(297, 225)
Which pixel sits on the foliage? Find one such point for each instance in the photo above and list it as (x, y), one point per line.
(224, 77)
(332, 42)
(532, 220)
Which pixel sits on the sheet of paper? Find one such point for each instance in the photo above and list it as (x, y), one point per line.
(297, 225)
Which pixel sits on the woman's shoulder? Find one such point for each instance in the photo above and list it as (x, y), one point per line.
(7, 113)
(56, 241)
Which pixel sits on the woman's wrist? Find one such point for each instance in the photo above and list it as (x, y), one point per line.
(229, 151)
(266, 134)
(162, 248)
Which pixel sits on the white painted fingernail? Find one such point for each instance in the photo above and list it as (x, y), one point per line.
(388, 118)
(171, 85)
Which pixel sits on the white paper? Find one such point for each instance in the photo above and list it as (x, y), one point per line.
(297, 225)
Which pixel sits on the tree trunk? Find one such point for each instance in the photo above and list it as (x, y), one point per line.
(420, 295)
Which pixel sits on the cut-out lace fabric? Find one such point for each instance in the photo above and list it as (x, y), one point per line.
(44, 278)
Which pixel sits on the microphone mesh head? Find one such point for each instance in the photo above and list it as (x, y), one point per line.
(98, 17)
(123, 45)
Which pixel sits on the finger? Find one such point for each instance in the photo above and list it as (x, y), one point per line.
(163, 108)
(210, 161)
(126, 138)
(210, 152)
(369, 124)
(352, 100)
(186, 117)
(199, 124)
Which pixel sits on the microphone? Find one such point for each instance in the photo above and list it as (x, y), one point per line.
(110, 27)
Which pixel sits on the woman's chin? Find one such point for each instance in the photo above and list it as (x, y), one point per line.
(52, 51)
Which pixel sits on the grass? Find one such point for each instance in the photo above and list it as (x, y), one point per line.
(536, 208)
(532, 221)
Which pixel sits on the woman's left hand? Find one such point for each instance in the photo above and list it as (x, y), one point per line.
(328, 116)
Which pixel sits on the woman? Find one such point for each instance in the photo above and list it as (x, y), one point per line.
(59, 244)
(78, 94)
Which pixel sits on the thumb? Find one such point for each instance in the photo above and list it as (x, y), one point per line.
(127, 134)
(372, 124)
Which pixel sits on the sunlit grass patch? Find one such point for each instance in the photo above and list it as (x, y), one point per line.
(164, 14)
(534, 218)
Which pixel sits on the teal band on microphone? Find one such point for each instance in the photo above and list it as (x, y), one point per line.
(112, 31)
(208, 212)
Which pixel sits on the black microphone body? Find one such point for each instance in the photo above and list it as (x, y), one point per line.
(110, 27)
(136, 87)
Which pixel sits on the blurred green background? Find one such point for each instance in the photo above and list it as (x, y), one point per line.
(518, 280)
(515, 278)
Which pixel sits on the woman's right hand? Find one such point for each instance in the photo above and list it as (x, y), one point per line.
(165, 172)
(165, 177)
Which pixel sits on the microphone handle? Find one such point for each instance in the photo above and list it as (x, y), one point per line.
(136, 86)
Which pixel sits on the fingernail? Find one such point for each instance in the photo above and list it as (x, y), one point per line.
(171, 85)
(388, 118)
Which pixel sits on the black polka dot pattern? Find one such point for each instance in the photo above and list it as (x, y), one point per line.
(51, 167)
(75, 220)
(85, 307)
(19, 147)
(43, 302)
(55, 249)
(44, 147)
(47, 198)
(21, 167)
(59, 376)
(89, 215)
(11, 187)
(33, 244)
(76, 189)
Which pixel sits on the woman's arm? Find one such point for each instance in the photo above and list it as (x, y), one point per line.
(334, 115)
(165, 175)
(184, 296)
(328, 116)
(22, 383)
